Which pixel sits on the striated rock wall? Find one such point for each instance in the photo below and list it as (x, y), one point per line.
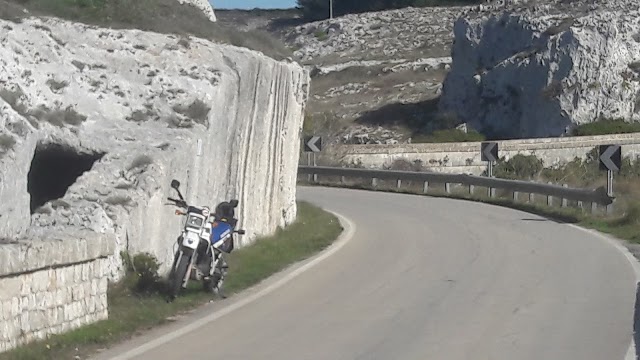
(94, 125)
(224, 121)
(540, 70)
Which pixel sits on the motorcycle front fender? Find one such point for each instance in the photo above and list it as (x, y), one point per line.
(191, 255)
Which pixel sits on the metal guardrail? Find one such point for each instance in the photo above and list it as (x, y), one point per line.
(598, 196)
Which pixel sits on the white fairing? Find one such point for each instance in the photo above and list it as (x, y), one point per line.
(191, 240)
(206, 232)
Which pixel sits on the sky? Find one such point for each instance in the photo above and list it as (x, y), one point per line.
(251, 4)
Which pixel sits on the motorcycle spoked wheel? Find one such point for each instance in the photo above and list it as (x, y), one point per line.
(178, 275)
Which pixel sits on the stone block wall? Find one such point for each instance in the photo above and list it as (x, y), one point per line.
(464, 158)
(62, 288)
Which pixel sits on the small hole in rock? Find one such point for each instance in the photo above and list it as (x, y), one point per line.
(54, 169)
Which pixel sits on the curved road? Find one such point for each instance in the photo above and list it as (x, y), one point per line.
(428, 278)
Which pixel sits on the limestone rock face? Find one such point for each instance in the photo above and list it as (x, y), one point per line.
(203, 5)
(148, 108)
(541, 69)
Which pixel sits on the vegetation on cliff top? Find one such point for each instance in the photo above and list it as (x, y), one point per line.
(319, 9)
(162, 16)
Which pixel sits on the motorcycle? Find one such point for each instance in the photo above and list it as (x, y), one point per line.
(200, 247)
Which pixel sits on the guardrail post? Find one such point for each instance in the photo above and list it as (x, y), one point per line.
(315, 178)
(518, 189)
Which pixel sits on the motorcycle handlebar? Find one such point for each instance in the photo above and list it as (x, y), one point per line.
(180, 203)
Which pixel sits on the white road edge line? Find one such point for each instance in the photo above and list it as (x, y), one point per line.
(635, 264)
(343, 239)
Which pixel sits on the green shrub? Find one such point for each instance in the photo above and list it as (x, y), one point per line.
(320, 35)
(319, 9)
(448, 135)
(142, 273)
(605, 127)
(522, 167)
(406, 165)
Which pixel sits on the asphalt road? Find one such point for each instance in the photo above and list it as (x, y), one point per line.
(427, 278)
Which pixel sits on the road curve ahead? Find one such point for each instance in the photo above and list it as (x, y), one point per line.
(429, 278)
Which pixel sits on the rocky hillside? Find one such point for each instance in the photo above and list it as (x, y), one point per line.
(95, 122)
(378, 77)
(543, 69)
(375, 69)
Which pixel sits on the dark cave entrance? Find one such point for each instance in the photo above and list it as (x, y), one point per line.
(53, 169)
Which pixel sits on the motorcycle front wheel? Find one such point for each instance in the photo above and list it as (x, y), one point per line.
(179, 274)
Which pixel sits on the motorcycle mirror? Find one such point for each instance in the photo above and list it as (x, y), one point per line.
(241, 232)
(175, 184)
(234, 203)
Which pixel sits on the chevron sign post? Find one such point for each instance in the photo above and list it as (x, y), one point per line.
(489, 153)
(312, 145)
(610, 157)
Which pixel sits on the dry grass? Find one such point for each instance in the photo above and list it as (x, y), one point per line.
(140, 116)
(140, 161)
(118, 200)
(13, 98)
(198, 111)
(58, 117)
(7, 142)
(56, 85)
(635, 66)
(163, 16)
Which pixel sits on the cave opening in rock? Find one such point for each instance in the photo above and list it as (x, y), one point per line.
(54, 169)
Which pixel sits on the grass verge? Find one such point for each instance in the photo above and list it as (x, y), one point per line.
(130, 314)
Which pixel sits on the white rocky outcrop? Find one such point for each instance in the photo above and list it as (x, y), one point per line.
(203, 5)
(540, 70)
(223, 120)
